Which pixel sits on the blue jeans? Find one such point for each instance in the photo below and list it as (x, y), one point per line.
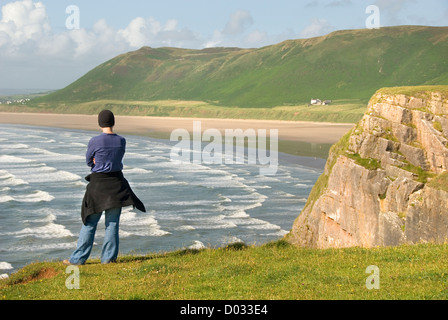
(109, 252)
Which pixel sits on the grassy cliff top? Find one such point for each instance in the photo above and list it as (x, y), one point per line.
(272, 271)
(416, 91)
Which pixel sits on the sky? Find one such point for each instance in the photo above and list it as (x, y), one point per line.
(48, 44)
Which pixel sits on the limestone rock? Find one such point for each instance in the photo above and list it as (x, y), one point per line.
(374, 189)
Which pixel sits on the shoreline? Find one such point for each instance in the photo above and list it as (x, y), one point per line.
(161, 127)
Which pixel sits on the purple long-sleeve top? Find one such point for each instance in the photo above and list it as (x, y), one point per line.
(108, 151)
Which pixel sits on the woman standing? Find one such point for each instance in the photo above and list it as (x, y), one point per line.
(107, 191)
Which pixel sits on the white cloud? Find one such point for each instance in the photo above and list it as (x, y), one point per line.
(34, 55)
(257, 37)
(29, 48)
(215, 40)
(136, 32)
(22, 22)
(318, 27)
(392, 9)
(25, 29)
(150, 32)
(234, 32)
(238, 22)
(340, 3)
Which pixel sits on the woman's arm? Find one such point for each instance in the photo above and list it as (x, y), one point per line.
(90, 155)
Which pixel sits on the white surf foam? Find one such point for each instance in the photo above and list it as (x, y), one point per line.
(49, 218)
(159, 184)
(36, 196)
(49, 231)
(41, 247)
(46, 154)
(133, 224)
(238, 215)
(231, 239)
(6, 146)
(8, 179)
(7, 159)
(302, 185)
(197, 245)
(185, 228)
(5, 266)
(278, 234)
(44, 173)
(242, 219)
(128, 170)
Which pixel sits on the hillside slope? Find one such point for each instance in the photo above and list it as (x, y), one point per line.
(385, 182)
(350, 64)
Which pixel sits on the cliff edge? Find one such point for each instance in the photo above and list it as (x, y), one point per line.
(386, 181)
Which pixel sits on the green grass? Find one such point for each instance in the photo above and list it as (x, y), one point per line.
(438, 126)
(440, 182)
(416, 91)
(368, 163)
(273, 271)
(420, 174)
(341, 111)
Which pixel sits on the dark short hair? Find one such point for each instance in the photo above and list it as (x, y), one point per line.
(106, 119)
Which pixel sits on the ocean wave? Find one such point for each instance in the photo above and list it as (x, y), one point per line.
(128, 170)
(302, 185)
(36, 196)
(143, 233)
(7, 159)
(7, 179)
(202, 222)
(184, 228)
(159, 184)
(280, 233)
(78, 144)
(49, 218)
(14, 146)
(5, 266)
(49, 231)
(133, 224)
(191, 203)
(238, 214)
(41, 247)
(44, 173)
(230, 240)
(242, 219)
(264, 226)
(242, 206)
(46, 154)
(197, 245)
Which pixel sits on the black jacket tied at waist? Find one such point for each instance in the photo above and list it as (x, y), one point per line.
(106, 191)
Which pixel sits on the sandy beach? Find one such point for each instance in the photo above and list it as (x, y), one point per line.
(311, 132)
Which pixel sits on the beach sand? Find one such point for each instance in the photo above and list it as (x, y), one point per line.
(161, 127)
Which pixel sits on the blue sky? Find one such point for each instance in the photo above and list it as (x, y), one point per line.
(37, 50)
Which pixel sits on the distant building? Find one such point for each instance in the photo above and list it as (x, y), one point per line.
(318, 102)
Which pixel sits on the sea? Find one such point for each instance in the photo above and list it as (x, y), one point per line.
(42, 183)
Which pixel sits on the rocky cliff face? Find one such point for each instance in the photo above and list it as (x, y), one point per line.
(385, 182)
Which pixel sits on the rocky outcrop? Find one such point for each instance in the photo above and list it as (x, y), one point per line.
(376, 189)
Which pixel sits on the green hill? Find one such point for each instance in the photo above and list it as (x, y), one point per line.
(349, 64)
